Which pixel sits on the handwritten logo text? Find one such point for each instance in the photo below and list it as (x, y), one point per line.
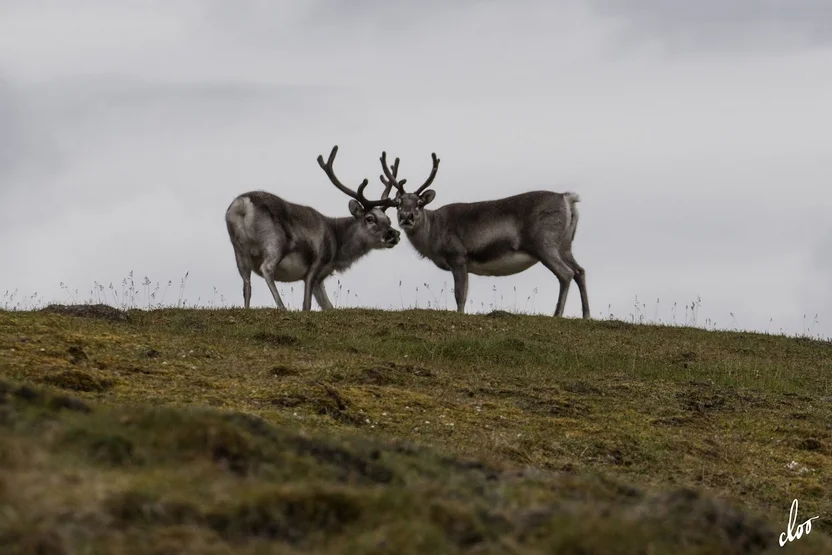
(790, 534)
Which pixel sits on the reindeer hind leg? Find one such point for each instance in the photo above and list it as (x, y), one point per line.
(244, 266)
(272, 254)
(550, 258)
(580, 280)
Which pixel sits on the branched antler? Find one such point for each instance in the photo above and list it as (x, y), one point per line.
(391, 177)
(357, 195)
(432, 175)
(390, 180)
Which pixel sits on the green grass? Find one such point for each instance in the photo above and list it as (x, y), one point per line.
(361, 431)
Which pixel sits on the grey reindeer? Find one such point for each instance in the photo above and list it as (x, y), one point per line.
(498, 237)
(283, 241)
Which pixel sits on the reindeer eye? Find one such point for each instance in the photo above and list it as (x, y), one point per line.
(369, 219)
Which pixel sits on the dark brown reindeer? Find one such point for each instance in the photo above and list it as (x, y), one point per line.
(491, 238)
(283, 241)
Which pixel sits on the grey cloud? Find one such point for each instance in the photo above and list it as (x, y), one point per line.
(25, 145)
(74, 137)
(757, 25)
(820, 296)
(391, 17)
(13, 141)
(70, 114)
(274, 17)
(103, 100)
(703, 24)
(823, 256)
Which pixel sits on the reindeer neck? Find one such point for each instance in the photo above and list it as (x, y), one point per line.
(421, 238)
(349, 245)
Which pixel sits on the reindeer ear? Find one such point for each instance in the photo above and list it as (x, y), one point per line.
(356, 209)
(427, 197)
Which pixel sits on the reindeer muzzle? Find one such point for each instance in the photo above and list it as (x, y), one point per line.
(392, 238)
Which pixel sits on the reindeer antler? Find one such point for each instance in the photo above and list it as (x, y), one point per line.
(391, 176)
(391, 180)
(357, 195)
(432, 175)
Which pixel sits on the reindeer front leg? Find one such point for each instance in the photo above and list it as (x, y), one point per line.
(308, 287)
(311, 282)
(459, 269)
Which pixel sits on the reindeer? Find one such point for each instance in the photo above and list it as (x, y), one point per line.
(491, 238)
(288, 242)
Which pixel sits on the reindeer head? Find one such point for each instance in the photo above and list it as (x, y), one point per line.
(374, 223)
(409, 206)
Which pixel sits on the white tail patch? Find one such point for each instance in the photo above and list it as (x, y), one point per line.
(569, 200)
(240, 216)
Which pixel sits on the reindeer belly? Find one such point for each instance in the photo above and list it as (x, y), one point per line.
(506, 264)
(292, 267)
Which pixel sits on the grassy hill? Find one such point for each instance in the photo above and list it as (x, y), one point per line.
(358, 431)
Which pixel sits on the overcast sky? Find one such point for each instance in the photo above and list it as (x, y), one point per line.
(697, 134)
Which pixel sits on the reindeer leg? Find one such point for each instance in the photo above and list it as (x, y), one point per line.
(271, 258)
(273, 289)
(247, 291)
(580, 279)
(307, 294)
(310, 282)
(460, 273)
(244, 267)
(321, 297)
(552, 260)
